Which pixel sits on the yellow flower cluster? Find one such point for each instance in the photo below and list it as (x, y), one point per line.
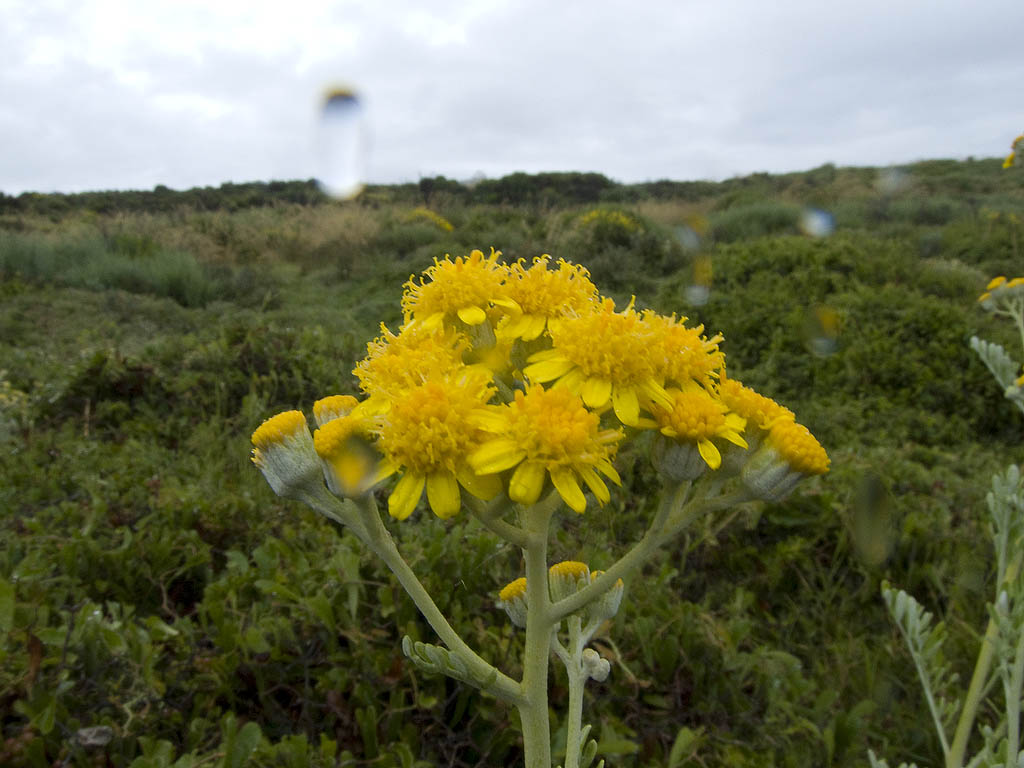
(1002, 294)
(516, 378)
(1011, 159)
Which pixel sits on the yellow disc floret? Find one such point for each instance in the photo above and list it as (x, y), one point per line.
(333, 407)
(277, 429)
(682, 354)
(513, 590)
(603, 356)
(548, 432)
(757, 409)
(542, 294)
(463, 289)
(429, 430)
(798, 447)
(696, 417)
(394, 363)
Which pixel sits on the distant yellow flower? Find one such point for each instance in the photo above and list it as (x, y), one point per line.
(603, 356)
(462, 289)
(696, 417)
(548, 433)
(425, 214)
(427, 433)
(542, 295)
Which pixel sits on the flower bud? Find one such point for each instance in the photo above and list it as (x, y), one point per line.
(594, 666)
(607, 605)
(768, 476)
(283, 451)
(676, 462)
(567, 578)
(512, 599)
(349, 461)
(333, 407)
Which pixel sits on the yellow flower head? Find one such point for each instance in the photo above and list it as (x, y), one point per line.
(696, 417)
(798, 448)
(603, 356)
(758, 410)
(333, 407)
(395, 363)
(683, 354)
(548, 432)
(542, 294)
(1003, 294)
(512, 599)
(429, 430)
(283, 451)
(350, 461)
(463, 289)
(566, 578)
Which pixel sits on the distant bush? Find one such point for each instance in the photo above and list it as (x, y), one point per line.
(95, 265)
(755, 220)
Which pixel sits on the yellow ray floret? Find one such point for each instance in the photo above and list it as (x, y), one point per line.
(697, 417)
(604, 356)
(463, 289)
(427, 433)
(546, 433)
(798, 447)
(542, 294)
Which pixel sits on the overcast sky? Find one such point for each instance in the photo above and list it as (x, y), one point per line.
(102, 94)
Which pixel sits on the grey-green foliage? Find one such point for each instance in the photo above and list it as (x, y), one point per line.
(1003, 367)
(924, 640)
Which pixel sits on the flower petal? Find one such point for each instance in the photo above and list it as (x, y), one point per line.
(710, 453)
(527, 482)
(496, 456)
(595, 392)
(626, 405)
(568, 487)
(548, 370)
(443, 494)
(535, 327)
(406, 495)
(472, 315)
(595, 483)
(484, 487)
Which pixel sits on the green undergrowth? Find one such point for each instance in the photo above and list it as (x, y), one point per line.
(154, 590)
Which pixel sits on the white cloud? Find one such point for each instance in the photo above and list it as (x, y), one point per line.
(105, 94)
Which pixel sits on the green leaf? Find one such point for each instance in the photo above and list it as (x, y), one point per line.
(684, 747)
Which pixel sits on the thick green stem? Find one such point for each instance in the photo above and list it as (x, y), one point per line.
(533, 706)
(380, 541)
(976, 690)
